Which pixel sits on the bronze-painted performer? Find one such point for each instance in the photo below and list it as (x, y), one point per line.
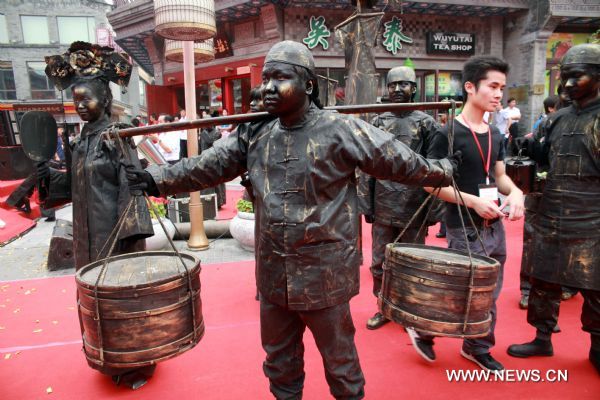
(567, 238)
(302, 168)
(394, 203)
(98, 185)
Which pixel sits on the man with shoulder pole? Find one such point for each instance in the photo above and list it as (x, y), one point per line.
(302, 168)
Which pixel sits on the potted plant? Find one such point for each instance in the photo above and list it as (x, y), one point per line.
(159, 210)
(242, 225)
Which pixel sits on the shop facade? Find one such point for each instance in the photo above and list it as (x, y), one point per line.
(435, 37)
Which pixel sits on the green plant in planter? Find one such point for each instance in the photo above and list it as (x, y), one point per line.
(244, 206)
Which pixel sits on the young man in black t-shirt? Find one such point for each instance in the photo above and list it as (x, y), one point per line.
(481, 177)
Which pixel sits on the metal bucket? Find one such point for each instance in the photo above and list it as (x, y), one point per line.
(145, 308)
(428, 288)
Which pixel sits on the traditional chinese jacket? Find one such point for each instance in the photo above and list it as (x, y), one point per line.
(395, 203)
(567, 224)
(100, 194)
(303, 179)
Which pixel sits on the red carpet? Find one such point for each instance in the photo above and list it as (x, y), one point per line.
(40, 347)
(17, 223)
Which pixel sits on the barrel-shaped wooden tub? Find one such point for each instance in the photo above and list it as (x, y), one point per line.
(429, 289)
(145, 308)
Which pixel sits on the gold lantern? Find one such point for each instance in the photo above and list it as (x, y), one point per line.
(203, 51)
(189, 20)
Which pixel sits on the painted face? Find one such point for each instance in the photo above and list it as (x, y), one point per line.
(489, 93)
(579, 81)
(88, 103)
(401, 91)
(256, 105)
(283, 89)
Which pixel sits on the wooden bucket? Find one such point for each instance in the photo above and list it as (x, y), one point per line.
(428, 288)
(148, 308)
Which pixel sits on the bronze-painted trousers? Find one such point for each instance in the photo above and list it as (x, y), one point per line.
(544, 306)
(281, 334)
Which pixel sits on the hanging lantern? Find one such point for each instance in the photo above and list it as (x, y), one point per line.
(203, 51)
(189, 20)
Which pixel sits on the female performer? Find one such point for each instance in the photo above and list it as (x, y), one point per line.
(97, 185)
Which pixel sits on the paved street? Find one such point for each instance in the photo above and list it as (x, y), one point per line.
(25, 258)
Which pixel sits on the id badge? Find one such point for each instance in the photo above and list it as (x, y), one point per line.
(489, 192)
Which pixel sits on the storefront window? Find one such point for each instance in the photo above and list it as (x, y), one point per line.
(216, 95)
(71, 29)
(41, 87)
(7, 81)
(449, 86)
(3, 30)
(241, 95)
(142, 86)
(35, 29)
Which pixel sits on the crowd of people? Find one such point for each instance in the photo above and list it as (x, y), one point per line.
(301, 167)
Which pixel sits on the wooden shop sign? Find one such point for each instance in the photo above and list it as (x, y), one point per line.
(222, 46)
(51, 108)
(450, 43)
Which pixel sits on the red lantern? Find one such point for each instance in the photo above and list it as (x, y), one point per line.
(218, 83)
(219, 97)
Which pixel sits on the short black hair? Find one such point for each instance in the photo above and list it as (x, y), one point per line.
(135, 121)
(476, 69)
(169, 118)
(550, 101)
(511, 99)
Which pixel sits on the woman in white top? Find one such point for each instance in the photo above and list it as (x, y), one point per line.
(514, 115)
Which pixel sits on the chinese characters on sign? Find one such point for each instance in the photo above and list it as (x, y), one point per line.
(318, 34)
(222, 46)
(451, 43)
(393, 36)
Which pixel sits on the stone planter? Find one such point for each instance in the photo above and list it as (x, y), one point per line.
(159, 241)
(242, 230)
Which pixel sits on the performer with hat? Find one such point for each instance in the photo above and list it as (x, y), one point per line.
(302, 168)
(96, 181)
(395, 203)
(567, 238)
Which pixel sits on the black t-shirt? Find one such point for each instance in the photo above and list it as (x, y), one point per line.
(472, 169)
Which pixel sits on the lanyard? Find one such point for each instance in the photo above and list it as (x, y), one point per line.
(486, 165)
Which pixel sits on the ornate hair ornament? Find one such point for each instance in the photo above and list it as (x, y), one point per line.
(85, 61)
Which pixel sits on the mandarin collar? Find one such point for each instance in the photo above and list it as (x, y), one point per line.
(305, 119)
(92, 128)
(591, 105)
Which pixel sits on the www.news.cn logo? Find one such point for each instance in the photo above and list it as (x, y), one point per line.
(507, 375)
